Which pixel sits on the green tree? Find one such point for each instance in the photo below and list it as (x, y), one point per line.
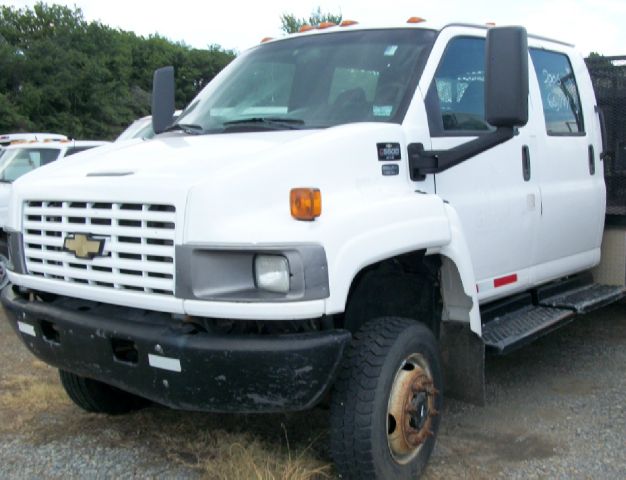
(291, 24)
(60, 73)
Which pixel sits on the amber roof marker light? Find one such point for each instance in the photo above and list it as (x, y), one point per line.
(305, 203)
(416, 20)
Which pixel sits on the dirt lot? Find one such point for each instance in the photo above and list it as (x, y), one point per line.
(556, 409)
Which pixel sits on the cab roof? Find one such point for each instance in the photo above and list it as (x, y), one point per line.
(411, 23)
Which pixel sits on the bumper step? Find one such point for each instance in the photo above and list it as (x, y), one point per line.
(514, 322)
(518, 328)
(586, 298)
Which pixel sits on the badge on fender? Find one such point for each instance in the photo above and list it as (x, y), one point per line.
(389, 151)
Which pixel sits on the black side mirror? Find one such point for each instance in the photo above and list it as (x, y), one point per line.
(163, 99)
(506, 77)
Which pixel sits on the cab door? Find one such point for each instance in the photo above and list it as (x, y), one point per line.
(495, 193)
(568, 166)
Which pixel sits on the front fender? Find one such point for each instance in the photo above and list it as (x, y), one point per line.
(380, 231)
(402, 225)
(459, 291)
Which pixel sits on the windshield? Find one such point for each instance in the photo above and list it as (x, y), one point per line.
(315, 81)
(16, 162)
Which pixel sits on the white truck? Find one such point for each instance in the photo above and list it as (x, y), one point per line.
(349, 211)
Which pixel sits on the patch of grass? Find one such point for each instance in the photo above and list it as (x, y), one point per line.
(222, 455)
(250, 447)
(23, 397)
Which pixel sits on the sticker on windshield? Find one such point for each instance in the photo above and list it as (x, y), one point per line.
(382, 110)
(390, 51)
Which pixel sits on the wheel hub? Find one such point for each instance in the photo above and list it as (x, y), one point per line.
(418, 410)
(411, 409)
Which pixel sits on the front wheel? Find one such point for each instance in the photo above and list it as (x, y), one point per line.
(386, 403)
(97, 397)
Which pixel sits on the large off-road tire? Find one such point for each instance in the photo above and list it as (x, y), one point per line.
(98, 397)
(386, 402)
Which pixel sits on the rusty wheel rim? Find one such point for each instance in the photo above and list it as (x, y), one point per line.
(411, 409)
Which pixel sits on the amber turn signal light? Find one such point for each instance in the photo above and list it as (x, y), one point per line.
(306, 203)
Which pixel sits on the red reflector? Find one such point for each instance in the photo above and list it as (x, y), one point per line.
(502, 281)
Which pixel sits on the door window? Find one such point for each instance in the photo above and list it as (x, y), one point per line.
(19, 161)
(559, 93)
(456, 98)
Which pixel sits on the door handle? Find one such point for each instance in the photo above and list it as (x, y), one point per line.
(592, 161)
(526, 163)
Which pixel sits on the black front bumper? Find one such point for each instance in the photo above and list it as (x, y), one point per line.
(156, 357)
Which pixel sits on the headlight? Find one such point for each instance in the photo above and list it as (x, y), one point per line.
(268, 273)
(271, 273)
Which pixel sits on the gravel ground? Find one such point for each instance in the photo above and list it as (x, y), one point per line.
(556, 409)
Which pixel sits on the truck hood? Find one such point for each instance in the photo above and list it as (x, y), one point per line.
(181, 159)
(228, 183)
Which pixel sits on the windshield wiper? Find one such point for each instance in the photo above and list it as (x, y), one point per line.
(190, 128)
(267, 122)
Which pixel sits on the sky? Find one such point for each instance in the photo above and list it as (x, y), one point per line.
(592, 25)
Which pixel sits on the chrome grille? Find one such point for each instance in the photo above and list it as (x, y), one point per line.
(139, 244)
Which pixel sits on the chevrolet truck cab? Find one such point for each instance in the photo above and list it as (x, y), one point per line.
(348, 212)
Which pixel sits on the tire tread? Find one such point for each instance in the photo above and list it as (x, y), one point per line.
(97, 397)
(352, 405)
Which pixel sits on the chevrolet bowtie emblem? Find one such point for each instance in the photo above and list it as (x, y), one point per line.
(83, 245)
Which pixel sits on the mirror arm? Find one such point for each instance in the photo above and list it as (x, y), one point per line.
(422, 162)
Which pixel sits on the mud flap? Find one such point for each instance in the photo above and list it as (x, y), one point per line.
(463, 356)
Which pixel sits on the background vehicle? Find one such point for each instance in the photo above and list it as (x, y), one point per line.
(140, 128)
(20, 158)
(8, 138)
(352, 209)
